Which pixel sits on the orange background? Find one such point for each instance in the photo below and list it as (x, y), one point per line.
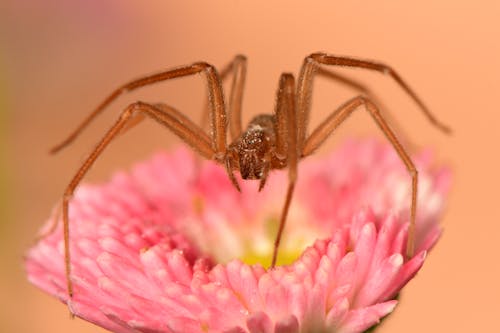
(58, 59)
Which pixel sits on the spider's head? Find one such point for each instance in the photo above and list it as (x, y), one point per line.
(251, 151)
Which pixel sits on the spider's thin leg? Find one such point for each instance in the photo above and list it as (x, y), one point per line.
(138, 118)
(239, 70)
(345, 80)
(134, 121)
(361, 88)
(147, 80)
(163, 114)
(286, 145)
(321, 133)
(53, 225)
(238, 67)
(228, 163)
(310, 68)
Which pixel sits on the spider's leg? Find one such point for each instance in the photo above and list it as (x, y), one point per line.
(144, 81)
(163, 114)
(134, 121)
(286, 145)
(361, 88)
(344, 80)
(315, 60)
(321, 133)
(53, 224)
(239, 68)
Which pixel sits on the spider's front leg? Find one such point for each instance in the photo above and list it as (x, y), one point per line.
(238, 67)
(286, 146)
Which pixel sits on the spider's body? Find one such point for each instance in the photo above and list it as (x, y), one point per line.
(270, 141)
(252, 153)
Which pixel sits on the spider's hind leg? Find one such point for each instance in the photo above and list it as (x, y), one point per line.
(163, 114)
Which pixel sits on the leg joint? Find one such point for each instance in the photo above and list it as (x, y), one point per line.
(312, 60)
(240, 57)
(204, 66)
(68, 194)
(387, 70)
(132, 109)
(315, 57)
(363, 99)
(370, 106)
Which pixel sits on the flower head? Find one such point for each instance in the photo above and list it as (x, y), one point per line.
(173, 247)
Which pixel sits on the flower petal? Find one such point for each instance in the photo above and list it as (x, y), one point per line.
(164, 247)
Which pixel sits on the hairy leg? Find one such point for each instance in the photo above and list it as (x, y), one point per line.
(311, 67)
(363, 89)
(163, 114)
(237, 67)
(215, 97)
(286, 145)
(323, 131)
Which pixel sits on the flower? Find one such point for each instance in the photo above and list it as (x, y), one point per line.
(173, 247)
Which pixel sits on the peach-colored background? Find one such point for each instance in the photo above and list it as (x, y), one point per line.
(59, 58)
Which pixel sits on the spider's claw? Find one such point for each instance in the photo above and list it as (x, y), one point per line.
(262, 183)
(235, 182)
(230, 173)
(263, 178)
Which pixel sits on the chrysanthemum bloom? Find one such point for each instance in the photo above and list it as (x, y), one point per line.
(173, 247)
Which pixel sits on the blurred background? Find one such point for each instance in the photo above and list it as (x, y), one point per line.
(59, 59)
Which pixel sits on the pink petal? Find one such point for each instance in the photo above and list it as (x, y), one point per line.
(382, 279)
(289, 324)
(362, 319)
(157, 249)
(259, 322)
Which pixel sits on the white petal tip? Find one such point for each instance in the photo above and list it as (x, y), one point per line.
(396, 260)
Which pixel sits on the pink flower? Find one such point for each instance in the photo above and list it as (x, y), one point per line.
(173, 247)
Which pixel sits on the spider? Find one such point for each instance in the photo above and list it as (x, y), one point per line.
(270, 141)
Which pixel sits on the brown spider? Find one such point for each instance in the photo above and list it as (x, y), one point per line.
(271, 141)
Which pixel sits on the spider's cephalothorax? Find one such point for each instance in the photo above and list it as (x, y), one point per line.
(272, 141)
(252, 153)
